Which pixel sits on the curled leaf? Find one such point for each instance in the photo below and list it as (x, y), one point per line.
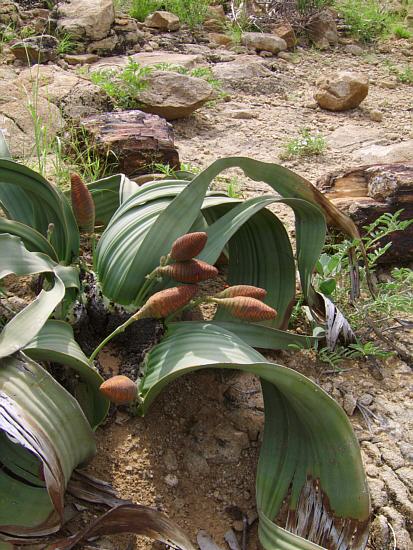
(243, 290)
(188, 246)
(165, 302)
(248, 309)
(192, 271)
(82, 204)
(119, 390)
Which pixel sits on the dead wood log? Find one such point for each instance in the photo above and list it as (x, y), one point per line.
(132, 140)
(366, 192)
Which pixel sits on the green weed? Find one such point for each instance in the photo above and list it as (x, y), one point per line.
(400, 31)
(124, 86)
(66, 44)
(305, 145)
(367, 20)
(140, 9)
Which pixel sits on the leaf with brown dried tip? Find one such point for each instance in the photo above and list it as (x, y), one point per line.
(167, 301)
(243, 290)
(82, 204)
(129, 518)
(192, 271)
(188, 246)
(248, 309)
(119, 389)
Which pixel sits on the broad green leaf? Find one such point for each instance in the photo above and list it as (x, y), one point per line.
(32, 239)
(4, 150)
(55, 342)
(309, 456)
(28, 198)
(17, 260)
(45, 435)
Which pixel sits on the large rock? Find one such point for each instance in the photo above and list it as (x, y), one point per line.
(342, 91)
(163, 21)
(322, 30)
(74, 95)
(36, 49)
(286, 32)
(134, 139)
(89, 20)
(350, 137)
(17, 119)
(261, 41)
(173, 95)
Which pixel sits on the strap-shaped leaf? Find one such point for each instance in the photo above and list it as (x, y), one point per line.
(26, 324)
(47, 437)
(55, 342)
(28, 198)
(4, 150)
(32, 239)
(310, 455)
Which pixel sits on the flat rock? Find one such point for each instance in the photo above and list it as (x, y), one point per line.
(134, 139)
(247, 73)
(352, 136)
(16, 120)
(163, 20)
(398, 152)
(89, 20)
(173, 95)
(36, 49)
(145, 59)
(74, 95)
(262, 41)
(342, 91)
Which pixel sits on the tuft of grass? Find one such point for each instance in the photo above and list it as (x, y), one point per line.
(400, 31)
(140, 9)
(405, 75)
(123, 86)
(305, 145)
(66, 44)
(367, 20)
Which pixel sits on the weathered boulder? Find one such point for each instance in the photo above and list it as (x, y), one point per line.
(105, 45)
(262, 41)
(322, 30)
(17, 118)
(74, 95)
(286, 32)
(247, 73)
(36, 49)
(134, 139)
(89, 20)
(163, 20)
(216, 12)
(342, 91)
(39, 19)
(173, 95)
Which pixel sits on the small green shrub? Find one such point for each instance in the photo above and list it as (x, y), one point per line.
(405, 75)
(191, 12)
(305, 145)
(367, 20)
(400, 31)
(140, 9)
(124, 86)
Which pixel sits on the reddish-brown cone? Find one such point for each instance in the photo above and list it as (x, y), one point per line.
(119, 390)
(243, 290)
(248, 309)
(188, 246)
(192, 271)
(167, 301)
(82, 204)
